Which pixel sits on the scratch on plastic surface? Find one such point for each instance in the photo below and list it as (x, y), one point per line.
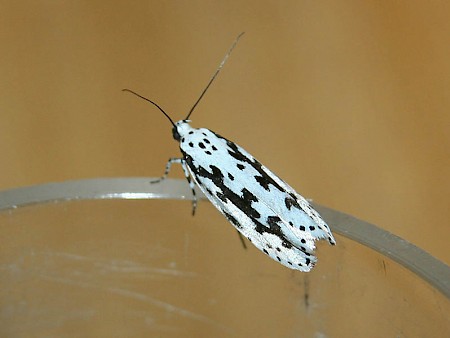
(141, 297)
(125, 266)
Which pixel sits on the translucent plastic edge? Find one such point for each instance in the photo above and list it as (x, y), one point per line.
(408, 255)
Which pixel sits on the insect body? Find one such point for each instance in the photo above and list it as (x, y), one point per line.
(261, 206)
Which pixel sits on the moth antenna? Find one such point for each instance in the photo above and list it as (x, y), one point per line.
(153, 103)
(215, 74)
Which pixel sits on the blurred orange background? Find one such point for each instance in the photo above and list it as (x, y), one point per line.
(347, 101)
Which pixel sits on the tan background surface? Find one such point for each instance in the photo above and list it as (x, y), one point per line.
(347, 101)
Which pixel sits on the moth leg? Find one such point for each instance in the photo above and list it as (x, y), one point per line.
(186, 174)
(242, 240)
(191, 184)
(168, 166)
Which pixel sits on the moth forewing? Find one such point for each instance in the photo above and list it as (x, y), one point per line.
(260, 205)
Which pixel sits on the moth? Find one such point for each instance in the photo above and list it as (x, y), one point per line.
(261, 206)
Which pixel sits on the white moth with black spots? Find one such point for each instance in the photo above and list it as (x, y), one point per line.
(260, 205)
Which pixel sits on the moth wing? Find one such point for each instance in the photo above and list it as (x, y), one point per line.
(241, 169)
(259, 204)
(271, 243)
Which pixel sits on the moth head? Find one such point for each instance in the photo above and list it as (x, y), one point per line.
(175, 134)
(180, 129)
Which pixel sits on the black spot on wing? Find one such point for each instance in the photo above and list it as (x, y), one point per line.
(233, 220)
(286, 243)
(231, 177)
(224, 193)
(273, 220)
(291, 202)
(221, 196)
(240, 166)
(201, 145)
(274, 229)
(247, 195)
(263, 179)
(206, 141)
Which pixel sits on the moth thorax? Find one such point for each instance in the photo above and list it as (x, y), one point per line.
(181, 129)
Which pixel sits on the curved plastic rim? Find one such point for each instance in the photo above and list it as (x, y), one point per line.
(408, 255)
